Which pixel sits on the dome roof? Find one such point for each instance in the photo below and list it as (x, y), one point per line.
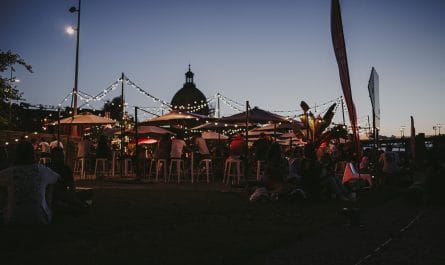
(189, 98)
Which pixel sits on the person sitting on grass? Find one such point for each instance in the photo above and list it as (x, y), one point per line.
(331, 186)
(64, 196)
(276, 168)
(29, 188)
(310, 170)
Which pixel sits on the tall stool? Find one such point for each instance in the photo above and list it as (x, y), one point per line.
(232, 169)
(45, 160)
(128, 167)
(161, 164)
(151, 164)
(205, 166)
(177, 167)
(259, 170)
(100, 166)
(79, 167)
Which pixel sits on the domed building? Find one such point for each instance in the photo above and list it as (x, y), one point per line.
(189, 98)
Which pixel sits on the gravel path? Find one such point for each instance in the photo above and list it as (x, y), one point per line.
(379, 241)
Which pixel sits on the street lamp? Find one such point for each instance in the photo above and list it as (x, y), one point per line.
(70, 30)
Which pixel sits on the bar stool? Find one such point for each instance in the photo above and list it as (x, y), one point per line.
(79, 167)
(205, 165)
(45, 160)
(232, 165)
(177, 167)
(128, 167)
(115, 163)
(151, 164)
(161, 164)
(101, 164)
(259, 170)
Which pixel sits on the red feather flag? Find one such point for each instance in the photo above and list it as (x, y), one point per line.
(338, 42)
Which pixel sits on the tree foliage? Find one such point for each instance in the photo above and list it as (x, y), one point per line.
(114, 107)
(8, 89)
(317, 126)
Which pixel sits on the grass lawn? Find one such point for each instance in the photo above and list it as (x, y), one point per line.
(155, 226)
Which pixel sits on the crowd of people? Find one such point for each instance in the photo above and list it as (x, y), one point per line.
(31, 190)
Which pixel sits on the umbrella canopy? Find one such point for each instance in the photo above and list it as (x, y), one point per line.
(175, 116)
(145, 141)
(219, 125)
(213, 136)
(86, 118)
(288, 135)
(256, 133)
(256, 115)
(149, 129)
(280, 127)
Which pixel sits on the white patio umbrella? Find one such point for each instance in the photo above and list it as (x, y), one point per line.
(210, 135)
(85, 119)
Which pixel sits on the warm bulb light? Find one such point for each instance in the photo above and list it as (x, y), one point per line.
(70, 30)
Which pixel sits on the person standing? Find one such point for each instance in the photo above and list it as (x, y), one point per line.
(389, 161)
(44, 148)
(55, 143)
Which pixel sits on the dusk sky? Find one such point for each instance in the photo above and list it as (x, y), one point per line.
(272, 53)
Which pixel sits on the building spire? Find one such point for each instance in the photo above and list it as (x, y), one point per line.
(189, 76)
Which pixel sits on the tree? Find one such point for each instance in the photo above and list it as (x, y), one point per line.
(114, 108)
(8, 89)
(316, 126)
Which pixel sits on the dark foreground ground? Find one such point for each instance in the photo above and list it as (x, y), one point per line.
(211, 224)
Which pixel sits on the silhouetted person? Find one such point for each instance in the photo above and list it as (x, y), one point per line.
(310, 170)
(261, 147)
(27, 184)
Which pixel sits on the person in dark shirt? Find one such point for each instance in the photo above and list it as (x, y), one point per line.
(261, 147)
(164, 147)
(310, 170)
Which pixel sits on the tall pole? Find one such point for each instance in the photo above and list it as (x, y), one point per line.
(136, 136)
(58, 125)
(76, 71)
(246, 145)
(306, 114)
(219, 110)
(122, 126)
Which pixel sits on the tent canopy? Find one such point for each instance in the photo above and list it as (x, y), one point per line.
(85, 118)
(256, 115)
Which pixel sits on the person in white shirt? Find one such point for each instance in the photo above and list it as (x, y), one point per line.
(177, 148)
(53, 144)
(28, 199)
(201, 147)
(84, 148)
(44, 148)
